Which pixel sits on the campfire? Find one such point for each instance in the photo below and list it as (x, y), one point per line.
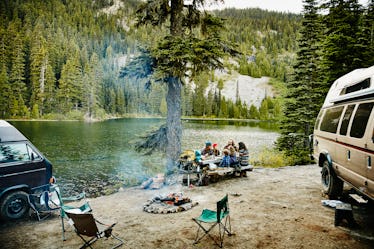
(171, 203)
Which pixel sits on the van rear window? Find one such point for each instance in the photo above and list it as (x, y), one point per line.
(331, 118)
(361, 119)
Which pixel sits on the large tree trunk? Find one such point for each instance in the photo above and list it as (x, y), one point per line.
(173, 98)
(174, 124)
(176, 17)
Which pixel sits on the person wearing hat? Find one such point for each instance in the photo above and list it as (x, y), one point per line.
(216, 151)
(225, 162)
(207, 151)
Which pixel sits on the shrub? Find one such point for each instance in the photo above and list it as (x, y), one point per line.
(271, 158)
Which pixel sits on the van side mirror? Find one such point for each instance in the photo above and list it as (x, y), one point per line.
(32, 157)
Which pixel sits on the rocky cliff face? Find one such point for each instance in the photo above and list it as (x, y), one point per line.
(250, 90)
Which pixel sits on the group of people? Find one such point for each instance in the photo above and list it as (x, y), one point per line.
(232, 155)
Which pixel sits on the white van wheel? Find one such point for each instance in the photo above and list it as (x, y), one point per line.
(332, 185)
(14, 205)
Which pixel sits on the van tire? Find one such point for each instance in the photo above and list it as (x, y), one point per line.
(332, 185)
(14, 205)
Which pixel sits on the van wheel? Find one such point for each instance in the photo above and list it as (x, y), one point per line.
(332, 185)
(14, 205)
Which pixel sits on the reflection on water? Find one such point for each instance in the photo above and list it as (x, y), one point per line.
(99, 157)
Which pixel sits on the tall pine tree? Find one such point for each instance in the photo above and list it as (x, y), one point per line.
(192, 45)
(304, 90)
(340, 50)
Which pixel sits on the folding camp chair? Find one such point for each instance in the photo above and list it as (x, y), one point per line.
(84, 208)
(43, 204)
(87, 225)
(220, 217)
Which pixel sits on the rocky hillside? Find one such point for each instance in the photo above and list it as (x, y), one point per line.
(250, 90)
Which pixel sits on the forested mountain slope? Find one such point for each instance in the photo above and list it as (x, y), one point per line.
(61, 58)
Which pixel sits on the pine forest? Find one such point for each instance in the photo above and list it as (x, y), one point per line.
(61, 59)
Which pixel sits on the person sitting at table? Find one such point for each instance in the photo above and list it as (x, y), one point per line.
(207, 151)
(231, 143)
(225, 162)
(216, 151)
(233, 160)
(197, 157)
(243, 154)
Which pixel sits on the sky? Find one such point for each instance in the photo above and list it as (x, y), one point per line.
(292, 6)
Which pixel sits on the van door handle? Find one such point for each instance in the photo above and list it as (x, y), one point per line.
(369, 161)
(348, 154)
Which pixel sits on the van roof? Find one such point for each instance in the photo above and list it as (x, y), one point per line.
(350, 80)
(8, 133)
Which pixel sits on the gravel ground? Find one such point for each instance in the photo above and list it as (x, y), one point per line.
(270, 208)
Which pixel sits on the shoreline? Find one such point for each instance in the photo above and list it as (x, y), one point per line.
(144, 117)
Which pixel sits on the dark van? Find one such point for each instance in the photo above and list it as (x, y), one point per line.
(23, 170)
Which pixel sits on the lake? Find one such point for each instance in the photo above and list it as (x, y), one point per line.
(99, 157)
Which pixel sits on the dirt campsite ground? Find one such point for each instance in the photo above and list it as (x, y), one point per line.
(270, 208)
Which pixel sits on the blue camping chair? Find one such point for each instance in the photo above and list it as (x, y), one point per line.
(42, 205)
(47, 202)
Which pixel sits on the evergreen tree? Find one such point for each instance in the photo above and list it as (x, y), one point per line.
(181, 51)
(223, 110)
(5, 93)
(70, 93)
(341, 36)
(305, 90)
(38, 66)
(253, 112)
(366, 37)
(49, 95)
(91, 85)
(16, 77)
(264, 110)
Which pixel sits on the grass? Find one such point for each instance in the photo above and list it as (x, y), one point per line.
(271, 158)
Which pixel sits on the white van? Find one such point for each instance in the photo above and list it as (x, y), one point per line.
(344, 134)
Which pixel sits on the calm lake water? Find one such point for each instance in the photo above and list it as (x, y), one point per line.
(99, 157)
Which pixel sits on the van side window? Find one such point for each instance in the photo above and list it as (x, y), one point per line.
(361, 119)
(345, 120)
(14, 152)
(33, 154)
(331, 118)
(318, 120)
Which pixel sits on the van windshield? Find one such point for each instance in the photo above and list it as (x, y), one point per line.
(14, 152)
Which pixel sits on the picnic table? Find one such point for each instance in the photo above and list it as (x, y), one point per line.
(208, 171)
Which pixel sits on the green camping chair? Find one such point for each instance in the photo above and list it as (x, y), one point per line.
(85, 225)
(211, 218)
(59, 200)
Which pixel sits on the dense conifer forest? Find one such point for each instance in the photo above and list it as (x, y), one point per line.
(61, 59)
